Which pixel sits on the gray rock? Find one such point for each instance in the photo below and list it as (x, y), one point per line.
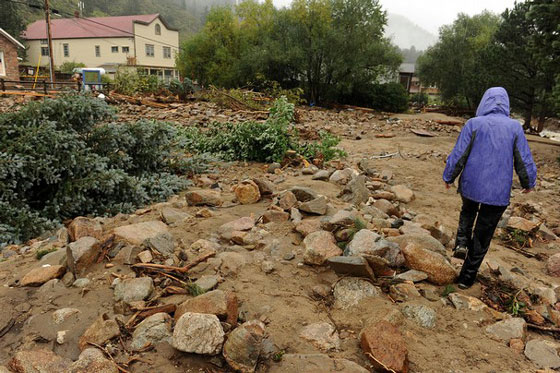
(508, 329)
(304, 194)
(322, 335)
(81, 282)
(94, 361)
(321, 175)
(208, 282)
(317, 206)
(267, 266)
(171, 215)
(295, 215)
(319, 246)
(63, 314)
(244, 346)
(134, 289)
(351, 265)
(543, 353)
(366, 242)
(342, 218)
(548, 295)
(342, 177)
(424, 241)
(162, 243)
(153, 330)
(422, 315)
(349, 291)
(412, 275)
(355, 191)
(273, 167)
(198, 333)
(374, 212)
(81, 254)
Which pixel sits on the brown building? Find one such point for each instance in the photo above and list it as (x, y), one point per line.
(9, 65)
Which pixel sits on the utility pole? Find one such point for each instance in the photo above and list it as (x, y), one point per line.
(49, 37)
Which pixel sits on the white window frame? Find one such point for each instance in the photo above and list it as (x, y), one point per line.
(42, 49)
(66, 50)
(127, 49)
(3, 66)
(114, 49)
(166, 55)
(150, 50)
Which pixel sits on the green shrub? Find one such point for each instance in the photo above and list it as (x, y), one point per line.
(130, 82)
(390, 97)
(68, 67)
(59, 159)
(181, 89)
(260, 142)
(419, 99)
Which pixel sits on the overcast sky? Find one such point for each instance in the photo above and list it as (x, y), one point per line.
(431, 14)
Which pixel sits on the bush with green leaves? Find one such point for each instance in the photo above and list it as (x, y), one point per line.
(131, 82)
(68, 67)
(390, 97)
(259, 141)
(61, 158)
(181, 88)
(419, 99)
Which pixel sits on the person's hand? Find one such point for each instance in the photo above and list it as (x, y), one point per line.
(525, 191)
(447, 186)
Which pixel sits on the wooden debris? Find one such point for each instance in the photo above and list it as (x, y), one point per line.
(422, 133)
(449, 122)
(385, 135)
(149, 311)
(166, 268)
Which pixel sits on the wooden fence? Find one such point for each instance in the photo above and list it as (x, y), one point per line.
(43, 86)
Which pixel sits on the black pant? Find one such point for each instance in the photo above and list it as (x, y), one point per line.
(487, 218)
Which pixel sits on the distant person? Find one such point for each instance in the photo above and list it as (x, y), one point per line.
(489, 147)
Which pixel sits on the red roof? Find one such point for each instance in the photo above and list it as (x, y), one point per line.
(95, 27)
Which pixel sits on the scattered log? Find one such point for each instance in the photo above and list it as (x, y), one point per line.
(449, 122)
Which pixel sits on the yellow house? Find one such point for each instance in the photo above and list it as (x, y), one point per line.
(143, 41)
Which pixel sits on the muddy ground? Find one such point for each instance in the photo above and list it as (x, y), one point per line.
(283, 299)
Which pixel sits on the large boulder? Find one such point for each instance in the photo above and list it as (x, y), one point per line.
(317, 206)
(522, 224)
(319, 246)
(199, 334)
(402, 193)
(82, 254)
(137, 233)
(38, 276)
(204, 198)
(424, 241)
(384, 345)
(92, 360)
(368, 243)
(356, 191)
(217, 302)
(244, 346)
(38, 361)
(152, 330)
(134, 289)
(349, 291)
(514, 328)
(436, 266)
(100, 332)
(247, 192)
(304, 194)
(84, 227)
(543, 353)
(322, 335)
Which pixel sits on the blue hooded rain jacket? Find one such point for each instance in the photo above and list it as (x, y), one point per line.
(487, 150)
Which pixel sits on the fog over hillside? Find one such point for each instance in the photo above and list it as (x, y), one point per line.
(405, 33)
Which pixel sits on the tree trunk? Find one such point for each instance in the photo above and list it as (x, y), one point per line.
(527, 117)
(542, 118)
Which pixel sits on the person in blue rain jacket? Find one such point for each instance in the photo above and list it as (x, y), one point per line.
(489, 147)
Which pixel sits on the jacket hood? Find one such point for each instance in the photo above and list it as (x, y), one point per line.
(494, 101)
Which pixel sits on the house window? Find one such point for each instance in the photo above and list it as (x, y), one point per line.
(44, 41)
(2, 66)
(44, 51)
(166, 52)
(158, 29)
(114, 49)
(126, 49)
(66, 50)
(150, 50)
(97, 51)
